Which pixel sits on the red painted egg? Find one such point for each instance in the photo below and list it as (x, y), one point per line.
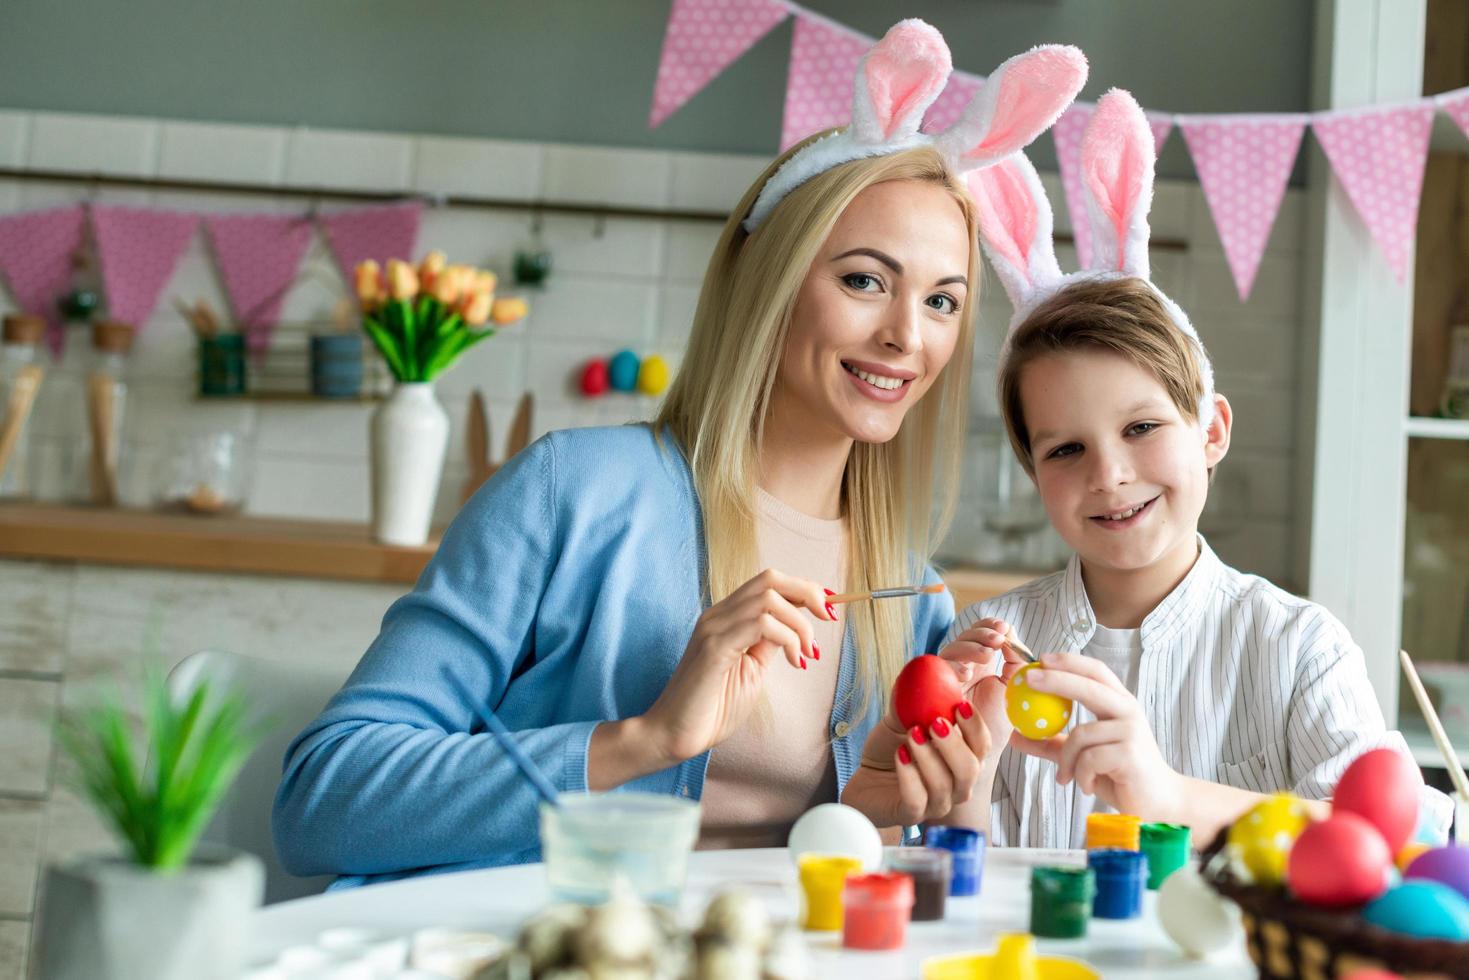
(925, 691)
(1382, 787)
(594, 379)
(1339, 861)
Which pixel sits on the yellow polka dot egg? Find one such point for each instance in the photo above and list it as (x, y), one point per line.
(1261, 839)
(1035, 714)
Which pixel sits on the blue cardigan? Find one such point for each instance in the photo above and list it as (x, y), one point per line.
(565, 591)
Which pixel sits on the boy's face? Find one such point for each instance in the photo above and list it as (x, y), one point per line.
(1123, 474)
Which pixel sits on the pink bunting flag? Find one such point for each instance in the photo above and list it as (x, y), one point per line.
(379, 233)
(1379, 155)
(951, 102)
(138, 248)
(703, 38)
(36, 252)
(1243, 164)
(1456, 105)
(258, 257)
(824, 59)
(1067, 134)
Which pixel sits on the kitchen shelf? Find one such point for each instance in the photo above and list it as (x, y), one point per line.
(257, 545)
(1424, 748)
(1425, 428)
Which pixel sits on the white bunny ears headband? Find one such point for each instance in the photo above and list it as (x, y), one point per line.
(901, 76)
(1015, 221)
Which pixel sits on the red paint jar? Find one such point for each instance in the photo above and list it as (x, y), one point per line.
(877, 908)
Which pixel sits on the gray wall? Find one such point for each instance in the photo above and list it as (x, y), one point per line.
(581, 71)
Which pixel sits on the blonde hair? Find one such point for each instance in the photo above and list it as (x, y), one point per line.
(718, 405)
(1120, 315)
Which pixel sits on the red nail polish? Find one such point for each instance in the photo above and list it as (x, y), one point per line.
(916, 733)
(828, 591)
(940, 728)
(965, 710)
(903, 755)
(803, 663)
(831, 611)
(815, 652)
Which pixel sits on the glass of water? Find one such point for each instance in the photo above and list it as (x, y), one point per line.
(591, 840)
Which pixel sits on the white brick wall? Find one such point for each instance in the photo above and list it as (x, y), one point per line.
(617, 283)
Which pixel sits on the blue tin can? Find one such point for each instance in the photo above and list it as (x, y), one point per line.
(1122, 877)
(968, 849)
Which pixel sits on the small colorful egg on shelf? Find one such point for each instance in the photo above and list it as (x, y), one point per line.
(1381, 787)
(1261, 840)
(833, 828)
(1339, 861)
(594, 379)
(1035, 714)
(1427, 909)
(622, 371)
(1449, 865)
(653, 375)
(1194, 915)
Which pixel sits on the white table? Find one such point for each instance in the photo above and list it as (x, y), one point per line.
(499, 899)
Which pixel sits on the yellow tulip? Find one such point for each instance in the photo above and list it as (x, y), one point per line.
(485, 281)
(402, 280)
(477, 310)
(506, 311)
(429, 269)
(449, 285)
(369, 284)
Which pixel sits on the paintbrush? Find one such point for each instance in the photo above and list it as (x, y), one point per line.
(1435, 728)
(523, 762)
(895, 592)
(1022, 649)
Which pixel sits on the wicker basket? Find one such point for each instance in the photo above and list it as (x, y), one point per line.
(1290, 940)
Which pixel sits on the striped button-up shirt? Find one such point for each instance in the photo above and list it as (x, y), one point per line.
(1241, 683)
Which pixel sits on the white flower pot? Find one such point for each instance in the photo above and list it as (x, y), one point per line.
(105, 918)
(410, 432)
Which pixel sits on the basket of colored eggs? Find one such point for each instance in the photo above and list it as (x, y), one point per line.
(1332, 898)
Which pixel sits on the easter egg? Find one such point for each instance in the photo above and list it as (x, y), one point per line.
(1261, 839)
(1035, 714)
(1382, 787)
(653, 375)
(833, 828)
(926, 690)
(622, 371)
(1410, 853)
(1339, 861)
(1449, 865)
(1429, 909)
(1195, 916)
(594, 379)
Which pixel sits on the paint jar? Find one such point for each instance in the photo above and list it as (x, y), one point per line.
(930, 868)
(823, 877)
(967, 847)
(1167, 848)
(1119, 831)
(222, 365)
(877, 909)
(1122, 877)
(1061, 901)
(591, 840)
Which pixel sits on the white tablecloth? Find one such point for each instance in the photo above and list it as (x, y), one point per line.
(499, 899)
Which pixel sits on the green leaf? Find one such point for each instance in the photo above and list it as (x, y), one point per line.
(457, 344)
(385, 344)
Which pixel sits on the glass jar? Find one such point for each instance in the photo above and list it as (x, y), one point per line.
(93, 427)
(21, 374)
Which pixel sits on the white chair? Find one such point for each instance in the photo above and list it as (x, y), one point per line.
(284, 697)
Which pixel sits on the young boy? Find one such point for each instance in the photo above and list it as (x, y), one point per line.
(1198, 688)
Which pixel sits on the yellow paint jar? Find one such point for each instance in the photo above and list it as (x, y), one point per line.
(1120, 831)
(823, 876)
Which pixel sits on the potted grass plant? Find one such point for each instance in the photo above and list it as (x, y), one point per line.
(168, 907)
(420, 320)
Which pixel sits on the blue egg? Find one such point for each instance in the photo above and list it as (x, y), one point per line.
(622, 370)
(1429, 909)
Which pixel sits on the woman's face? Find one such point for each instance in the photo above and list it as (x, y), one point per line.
(878, 314)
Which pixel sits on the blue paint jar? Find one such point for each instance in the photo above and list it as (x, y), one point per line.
(1122, 877)
(336, 365)
(968, 850)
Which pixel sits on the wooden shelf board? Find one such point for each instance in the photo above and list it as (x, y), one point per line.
(266, 546)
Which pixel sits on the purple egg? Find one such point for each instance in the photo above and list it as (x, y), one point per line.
(1449, 865)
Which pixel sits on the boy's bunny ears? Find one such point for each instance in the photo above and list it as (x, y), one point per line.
(901, 76)
(1015, 221)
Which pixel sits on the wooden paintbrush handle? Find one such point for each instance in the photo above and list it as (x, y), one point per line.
(17, 410)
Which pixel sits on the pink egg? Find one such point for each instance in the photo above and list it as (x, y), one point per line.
(1449, 865)
(1382, 787)
(1339, 861)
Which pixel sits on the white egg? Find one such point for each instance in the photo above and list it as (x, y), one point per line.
(1195, 916)
(832, 828)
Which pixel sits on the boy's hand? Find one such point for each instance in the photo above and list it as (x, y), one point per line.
(1115, 757)
(974, 653)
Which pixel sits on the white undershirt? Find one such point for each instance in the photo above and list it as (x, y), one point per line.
(1120, 650)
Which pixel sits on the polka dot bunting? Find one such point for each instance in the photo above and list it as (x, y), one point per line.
(819, 86)
(35, 259)
(702, 39)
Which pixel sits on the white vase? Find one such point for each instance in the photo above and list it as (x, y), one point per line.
(410, 432)
(105, 918)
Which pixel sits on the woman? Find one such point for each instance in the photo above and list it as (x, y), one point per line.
(601, 593)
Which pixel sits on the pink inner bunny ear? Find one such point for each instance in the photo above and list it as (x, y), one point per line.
(1007, 213)
(905, 72)
(1024, 96)
(1117, 159)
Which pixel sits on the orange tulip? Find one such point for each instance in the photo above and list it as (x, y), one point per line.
(402, 280)
(484, 281)
(506, 311)
(477, 310)
(449, 285)
(369, 284)
(429, 269)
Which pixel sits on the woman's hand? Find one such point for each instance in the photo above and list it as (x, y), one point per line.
(1115, 757)
(735, 643)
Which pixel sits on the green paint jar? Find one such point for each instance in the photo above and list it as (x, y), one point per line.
(1167, 847)
(1061, 901)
